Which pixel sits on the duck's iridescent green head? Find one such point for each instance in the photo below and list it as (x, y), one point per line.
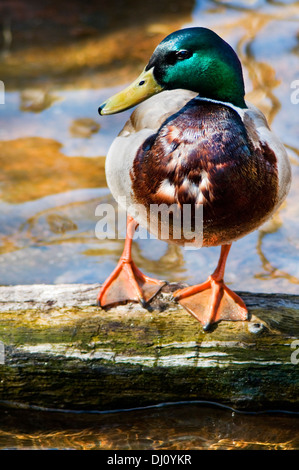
(195, 59)
(199, 60)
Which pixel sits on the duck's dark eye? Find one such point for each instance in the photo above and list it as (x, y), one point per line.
(183, 54)
(175, 56)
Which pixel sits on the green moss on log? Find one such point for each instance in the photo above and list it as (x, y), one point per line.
(61, 355)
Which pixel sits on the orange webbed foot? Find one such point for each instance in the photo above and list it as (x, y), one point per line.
(128, 283)
(212, 302)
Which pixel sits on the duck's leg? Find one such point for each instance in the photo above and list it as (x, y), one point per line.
(213, 301)
(127, 282)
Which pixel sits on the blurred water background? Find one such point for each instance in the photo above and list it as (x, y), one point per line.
(58, 62)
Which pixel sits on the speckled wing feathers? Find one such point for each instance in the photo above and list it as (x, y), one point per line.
(178, 148)
(203, 155)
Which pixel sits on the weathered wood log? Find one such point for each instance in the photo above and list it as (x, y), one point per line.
(62, 351)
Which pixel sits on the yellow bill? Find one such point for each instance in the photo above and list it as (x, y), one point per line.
(141, 89)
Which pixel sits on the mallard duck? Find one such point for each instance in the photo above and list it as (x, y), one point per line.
(192, 142)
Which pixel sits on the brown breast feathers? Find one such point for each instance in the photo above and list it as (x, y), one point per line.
(203, 155)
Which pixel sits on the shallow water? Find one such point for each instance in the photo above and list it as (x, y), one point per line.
(50, 123)
(171, 427)
(57, 69)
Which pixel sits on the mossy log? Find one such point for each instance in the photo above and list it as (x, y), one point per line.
(61, 351)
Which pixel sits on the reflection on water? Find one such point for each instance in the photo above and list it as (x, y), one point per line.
(57, 69)
(179, 427)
